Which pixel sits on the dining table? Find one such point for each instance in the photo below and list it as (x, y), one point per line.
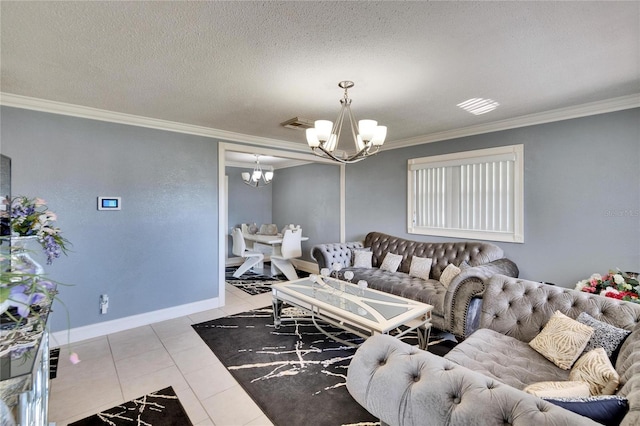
(267, 245)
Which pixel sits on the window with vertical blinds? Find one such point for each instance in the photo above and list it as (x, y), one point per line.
(474, 194)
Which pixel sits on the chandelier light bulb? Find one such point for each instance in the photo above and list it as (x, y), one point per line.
(367, 129)
(323, 129)
(312, 138)
(379, 136)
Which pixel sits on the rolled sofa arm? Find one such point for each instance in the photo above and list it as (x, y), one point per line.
(328, 254)
(405, 386)
(463, 313)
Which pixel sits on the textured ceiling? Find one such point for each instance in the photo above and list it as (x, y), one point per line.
(246, 67)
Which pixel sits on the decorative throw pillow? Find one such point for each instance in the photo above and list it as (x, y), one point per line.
(420, 267)
(354, 250)
(595, 368)
(449, 273)
(608, 410)
(391, 262)
(604, 336)
(558, 389)
(562, 340)
(362, 259)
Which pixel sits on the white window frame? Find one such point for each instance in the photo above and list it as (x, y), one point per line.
(445, 178)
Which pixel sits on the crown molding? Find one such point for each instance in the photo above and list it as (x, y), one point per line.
(593, 108)
(25, 102)
(584, 110)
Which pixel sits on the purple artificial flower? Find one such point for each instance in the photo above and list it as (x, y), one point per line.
(19, 298)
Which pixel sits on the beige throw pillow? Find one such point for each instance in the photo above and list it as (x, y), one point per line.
(562, 340)
(595, 368)
(362, 259)
(449, 273)
(391, 262)
(570, 389)
(420, 267)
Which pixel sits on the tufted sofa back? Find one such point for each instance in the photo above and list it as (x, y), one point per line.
(521, 308)
(474, 253)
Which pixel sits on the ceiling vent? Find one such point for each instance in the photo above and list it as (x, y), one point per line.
(298, 123)
(477, 106)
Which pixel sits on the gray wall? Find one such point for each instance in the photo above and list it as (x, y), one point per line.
(160, 251)
(247, 204)
(309, 196)
(582, 195)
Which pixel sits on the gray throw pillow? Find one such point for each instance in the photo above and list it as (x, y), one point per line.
(606, 336)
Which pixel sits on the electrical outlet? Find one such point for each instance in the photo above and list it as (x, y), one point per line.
(104, 303)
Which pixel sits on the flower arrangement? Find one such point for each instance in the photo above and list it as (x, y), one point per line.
(26, 293)
(32, 217)
(615, 284)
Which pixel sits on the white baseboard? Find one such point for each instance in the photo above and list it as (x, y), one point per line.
(61, 338)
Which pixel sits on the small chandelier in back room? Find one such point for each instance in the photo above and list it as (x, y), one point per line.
(258, 177)
(368, 137)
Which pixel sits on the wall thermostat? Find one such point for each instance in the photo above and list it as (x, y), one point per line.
(109, 203)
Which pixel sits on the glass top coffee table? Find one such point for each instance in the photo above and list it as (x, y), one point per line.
(361, 311)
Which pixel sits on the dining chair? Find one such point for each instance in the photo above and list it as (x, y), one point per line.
(290, 226)
(240, 249)
(290, 249)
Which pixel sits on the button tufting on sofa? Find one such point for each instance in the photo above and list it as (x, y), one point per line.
(456, 307)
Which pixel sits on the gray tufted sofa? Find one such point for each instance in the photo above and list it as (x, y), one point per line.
(455, 309)
(479, 382)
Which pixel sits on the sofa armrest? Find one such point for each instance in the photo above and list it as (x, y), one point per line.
(328, 254)
(469, 284)
(403, 385)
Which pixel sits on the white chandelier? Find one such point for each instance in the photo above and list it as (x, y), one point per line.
(257, 178)
(368, 137)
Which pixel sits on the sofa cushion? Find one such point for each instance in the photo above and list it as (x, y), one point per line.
(449, 273)
(401, 284)
(562, 340)
(353, 255)
(604, 335)
(595, 368)
(420, 267)
(575, 388)
(506, 359)
(607, 410)
(391, 262)
(362, 259)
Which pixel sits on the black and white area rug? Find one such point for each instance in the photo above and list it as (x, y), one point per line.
(295, 374)
(54, 357)
(255, 282)
(160, 408)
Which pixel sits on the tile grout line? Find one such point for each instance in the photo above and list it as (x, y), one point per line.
(181, 372)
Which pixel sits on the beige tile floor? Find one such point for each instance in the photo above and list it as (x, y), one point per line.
(122, 366)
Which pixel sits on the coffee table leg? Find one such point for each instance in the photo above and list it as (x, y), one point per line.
(277, 310)
(423, 336)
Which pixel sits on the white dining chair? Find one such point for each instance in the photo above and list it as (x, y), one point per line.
(240, 249)
(290, 249)
(290, 226)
